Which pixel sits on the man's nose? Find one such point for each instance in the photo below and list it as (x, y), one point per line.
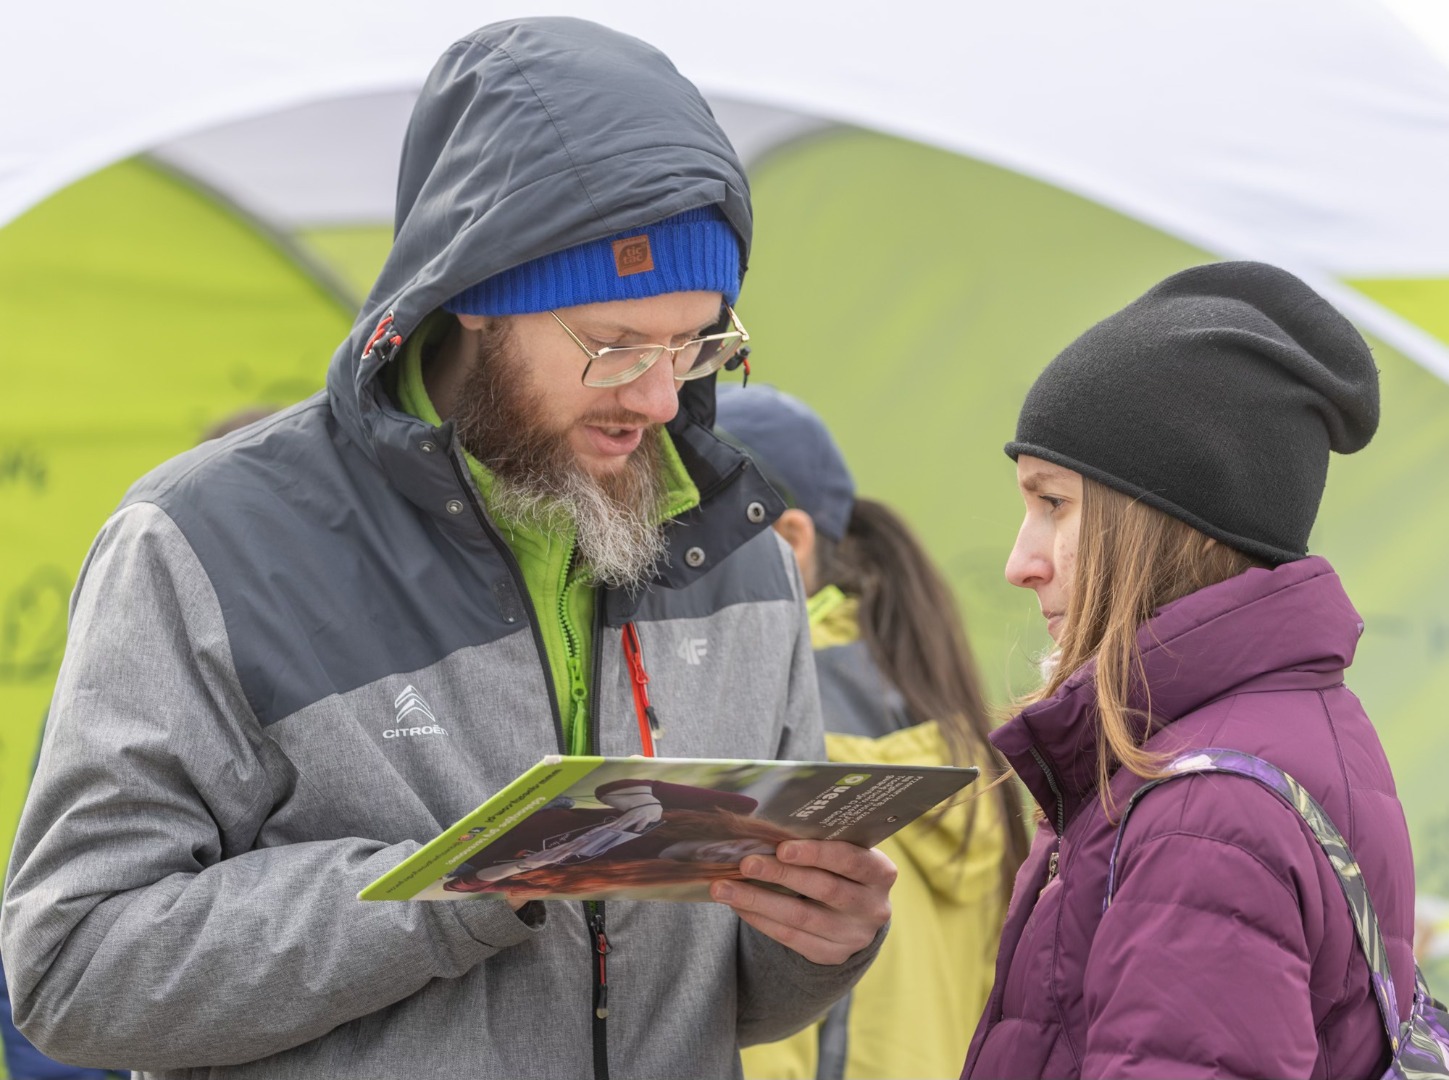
(655, 394)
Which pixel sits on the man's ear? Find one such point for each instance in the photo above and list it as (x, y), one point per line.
(472, 322)
(798, 529)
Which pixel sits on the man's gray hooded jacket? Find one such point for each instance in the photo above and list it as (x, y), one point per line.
(234, 750)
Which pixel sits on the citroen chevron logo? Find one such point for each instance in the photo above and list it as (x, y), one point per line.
(409, 702)
(692, 649)
(414, 716)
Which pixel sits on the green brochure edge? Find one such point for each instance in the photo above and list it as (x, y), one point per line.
(541, 784)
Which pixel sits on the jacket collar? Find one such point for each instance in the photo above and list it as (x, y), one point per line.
(1288, 628)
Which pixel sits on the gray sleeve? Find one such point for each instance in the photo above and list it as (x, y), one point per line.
(138, 885)
(780, 990)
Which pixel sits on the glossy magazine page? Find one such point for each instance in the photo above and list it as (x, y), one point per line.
(593, 828)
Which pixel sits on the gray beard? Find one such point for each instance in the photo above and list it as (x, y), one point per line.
(539, 483)
(618, 542)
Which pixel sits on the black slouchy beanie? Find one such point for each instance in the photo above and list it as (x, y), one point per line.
(1214, 397)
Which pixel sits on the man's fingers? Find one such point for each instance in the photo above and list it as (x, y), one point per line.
(865, 865)
(862, 866)
(817, 950)
(843, 897)
(822, 886)
(820, 934)
(798, 911)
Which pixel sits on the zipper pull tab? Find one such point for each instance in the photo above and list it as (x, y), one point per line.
(602, 948)
(579, 718)
(649, 727)
(578, 729)
(1052, 862)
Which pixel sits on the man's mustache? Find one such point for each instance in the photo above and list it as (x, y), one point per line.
(616, 418)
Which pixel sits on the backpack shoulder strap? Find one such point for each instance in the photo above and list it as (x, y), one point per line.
(1345, 867)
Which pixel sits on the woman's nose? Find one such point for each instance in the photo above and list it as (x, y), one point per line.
(1028, 567)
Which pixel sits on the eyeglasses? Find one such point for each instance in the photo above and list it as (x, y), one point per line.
(616, 365)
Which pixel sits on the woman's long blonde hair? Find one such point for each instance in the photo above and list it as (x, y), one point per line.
(1131, 560)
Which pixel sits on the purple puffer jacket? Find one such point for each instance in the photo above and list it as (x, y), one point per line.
(1228, 949)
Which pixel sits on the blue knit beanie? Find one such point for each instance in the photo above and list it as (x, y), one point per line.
(695, 250)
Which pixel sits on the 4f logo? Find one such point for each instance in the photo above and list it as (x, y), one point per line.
(692, 650)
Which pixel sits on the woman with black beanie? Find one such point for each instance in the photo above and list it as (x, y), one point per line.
(1172, 460)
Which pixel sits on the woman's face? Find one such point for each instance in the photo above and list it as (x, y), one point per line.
(1045, 554)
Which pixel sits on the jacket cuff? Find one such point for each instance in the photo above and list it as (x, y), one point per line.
(493, 924)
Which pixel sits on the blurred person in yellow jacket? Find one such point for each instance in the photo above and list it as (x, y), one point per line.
(898, 685)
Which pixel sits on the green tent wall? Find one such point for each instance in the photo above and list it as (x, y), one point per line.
(909, 294)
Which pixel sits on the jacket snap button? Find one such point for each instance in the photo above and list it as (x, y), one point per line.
(454, 506)
(755, 512)
(694, 556)
(427, 446)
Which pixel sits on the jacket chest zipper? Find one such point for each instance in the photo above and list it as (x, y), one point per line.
(1051, 780)
(602, 947)
(583, 738)
(599, 947)
(1054, 861)
(594, 909)
(579, 736)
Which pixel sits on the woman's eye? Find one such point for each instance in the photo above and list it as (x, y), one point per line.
(1052, 501)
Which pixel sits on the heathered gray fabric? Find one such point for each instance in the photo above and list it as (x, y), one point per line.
(289, 484)
(855, 698)
(226, 764)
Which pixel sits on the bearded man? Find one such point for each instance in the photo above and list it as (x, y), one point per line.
(298, 652)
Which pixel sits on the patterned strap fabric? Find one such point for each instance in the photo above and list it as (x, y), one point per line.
(1365, 923)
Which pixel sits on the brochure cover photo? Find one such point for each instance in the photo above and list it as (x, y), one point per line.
(593, 828)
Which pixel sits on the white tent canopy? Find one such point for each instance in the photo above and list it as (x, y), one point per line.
(300, 167)
(1311, 133)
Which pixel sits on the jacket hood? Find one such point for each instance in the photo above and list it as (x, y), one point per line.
(1289, 627)
(532, 136)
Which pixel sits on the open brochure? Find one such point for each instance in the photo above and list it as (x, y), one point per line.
(594, 828)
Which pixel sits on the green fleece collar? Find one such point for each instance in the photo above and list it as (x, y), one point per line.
(834, 618)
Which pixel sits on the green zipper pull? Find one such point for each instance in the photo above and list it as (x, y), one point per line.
(579, 715)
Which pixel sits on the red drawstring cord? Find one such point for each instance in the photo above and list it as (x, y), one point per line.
(639, 683)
